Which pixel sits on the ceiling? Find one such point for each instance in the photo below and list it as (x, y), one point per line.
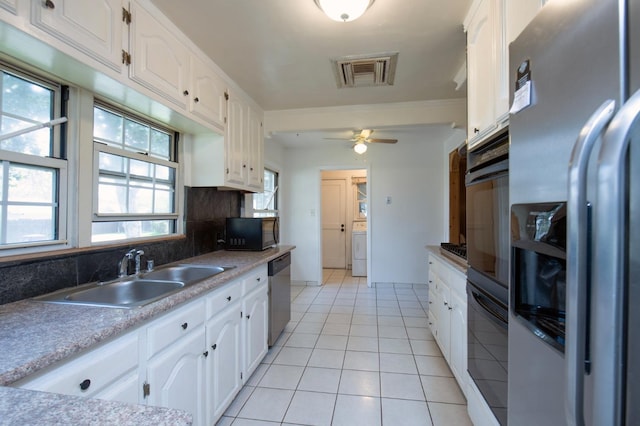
(280, 51)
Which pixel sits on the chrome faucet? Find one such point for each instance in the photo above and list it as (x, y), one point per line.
(123, 265)
(139, 253)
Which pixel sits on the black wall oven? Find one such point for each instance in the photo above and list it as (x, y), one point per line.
(488, 210)
(488, 240)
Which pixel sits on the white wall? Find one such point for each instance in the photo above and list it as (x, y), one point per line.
(412, 172)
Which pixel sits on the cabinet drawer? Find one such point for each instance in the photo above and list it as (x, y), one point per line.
(90, 373)
(254, 279)
(219, 299)
(173, 326)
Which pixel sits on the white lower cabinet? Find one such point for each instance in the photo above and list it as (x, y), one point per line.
(109, 371)
(255, 309)
(176, 376)
(195, 357)
(224, 363)
(448, 315)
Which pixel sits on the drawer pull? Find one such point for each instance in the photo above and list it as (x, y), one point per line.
(49, 4)
(196, 100)
(214, 346)
(228, 298)
(185, 325)
(185, 93)
(85, 384)
(258, 279)
(248, 316)
(206, 354)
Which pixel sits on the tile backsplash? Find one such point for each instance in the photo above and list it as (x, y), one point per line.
(206, 210)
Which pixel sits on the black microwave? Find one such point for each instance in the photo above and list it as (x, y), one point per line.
(251, 233)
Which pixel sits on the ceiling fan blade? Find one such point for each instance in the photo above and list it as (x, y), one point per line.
(339, 139)
(365, 133)
(382, 140)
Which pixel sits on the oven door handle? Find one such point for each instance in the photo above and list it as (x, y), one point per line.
(577, 260)
(479, 298)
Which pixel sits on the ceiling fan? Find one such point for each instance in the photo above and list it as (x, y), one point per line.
(360, 137)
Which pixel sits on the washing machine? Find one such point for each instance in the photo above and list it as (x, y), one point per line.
(359, 249)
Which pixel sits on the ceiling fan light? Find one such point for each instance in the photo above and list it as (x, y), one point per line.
(344, 10)
(360, 148)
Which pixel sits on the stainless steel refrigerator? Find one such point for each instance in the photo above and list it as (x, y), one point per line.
(574, 322)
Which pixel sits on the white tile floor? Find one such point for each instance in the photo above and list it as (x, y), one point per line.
(352, 355)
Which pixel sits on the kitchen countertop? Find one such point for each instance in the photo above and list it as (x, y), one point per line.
(458, 266)
(25, 407)
(35, 335)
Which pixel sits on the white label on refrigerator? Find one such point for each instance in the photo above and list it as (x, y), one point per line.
(521, 98)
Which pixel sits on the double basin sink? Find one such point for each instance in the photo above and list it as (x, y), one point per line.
(138, 290)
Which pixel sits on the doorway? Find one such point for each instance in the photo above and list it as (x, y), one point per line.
(344, 220)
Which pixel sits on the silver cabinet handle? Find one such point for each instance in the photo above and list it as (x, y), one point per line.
(577, 262)
(609, 275)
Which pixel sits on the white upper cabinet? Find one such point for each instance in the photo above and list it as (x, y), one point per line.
(254, 151)
(10, 5)
(92, 26)
(481, 71)
(207, 96)
(491, 25)
(159, 60)
(235, 140)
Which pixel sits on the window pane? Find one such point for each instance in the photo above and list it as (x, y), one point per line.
(30, 223)
(113, 231)
(136, 136)
(160, 144)
(140, 168)
(112, 199)
(31, 184)
(111, 163)
(107, 126)
(22, 98)
(141, 200)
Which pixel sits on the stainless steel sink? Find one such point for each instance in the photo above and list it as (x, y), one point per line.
(135, 291)
(184, 273)
(125, 293)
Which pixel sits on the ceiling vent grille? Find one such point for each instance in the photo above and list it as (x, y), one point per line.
(366, 71)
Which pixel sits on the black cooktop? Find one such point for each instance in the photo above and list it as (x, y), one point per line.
(458, 250)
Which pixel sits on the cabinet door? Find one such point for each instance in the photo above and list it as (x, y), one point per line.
(254, 152)
(159, 61)
(481, 72)
(224, 363)
(10, 5)
(256, 328)
(458, 342)
(176, 376)
(92, 373)
(92, 26)
(207, 95)
(234, 142)
(444, 321)
(127, 390)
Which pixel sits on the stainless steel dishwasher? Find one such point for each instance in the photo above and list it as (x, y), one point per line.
(279, 295)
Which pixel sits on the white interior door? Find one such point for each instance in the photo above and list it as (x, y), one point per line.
(334, 216)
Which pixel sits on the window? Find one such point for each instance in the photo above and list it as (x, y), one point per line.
(33, 178)
(265, 204)
(134, 177)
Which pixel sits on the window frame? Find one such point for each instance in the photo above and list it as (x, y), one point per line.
(102, 147)
(55, 161)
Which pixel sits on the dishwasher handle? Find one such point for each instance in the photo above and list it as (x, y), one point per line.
(278, 264)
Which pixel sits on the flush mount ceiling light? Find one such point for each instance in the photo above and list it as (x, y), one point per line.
(360, 147)
(344, 10)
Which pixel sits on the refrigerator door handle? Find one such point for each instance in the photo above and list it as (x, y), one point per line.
(577, 262)
(609, 277)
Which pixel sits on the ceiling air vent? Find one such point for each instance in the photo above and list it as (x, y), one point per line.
(366, 70)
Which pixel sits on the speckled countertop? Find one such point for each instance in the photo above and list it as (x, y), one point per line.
(23, 407)
(35, 335)
(457, 265)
